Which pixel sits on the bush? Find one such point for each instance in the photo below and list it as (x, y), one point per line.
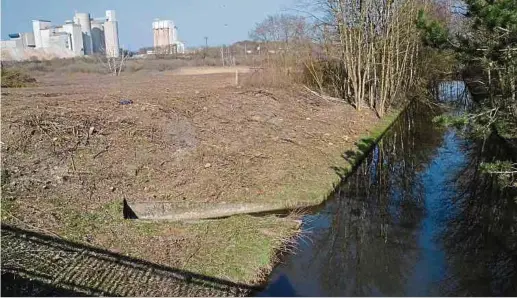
(81, 66)
(273, 77)
(133, 66)
(13, 78)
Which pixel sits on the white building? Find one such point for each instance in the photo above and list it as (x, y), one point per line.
(166, 39)
(82, 36)
(75, 36)
(19, 40)
(111, 34)
(37, 26)
(83, 19)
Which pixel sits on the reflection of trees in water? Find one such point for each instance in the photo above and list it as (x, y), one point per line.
(368, 249)
(480, 238)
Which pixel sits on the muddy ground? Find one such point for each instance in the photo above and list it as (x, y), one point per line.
(71, 153)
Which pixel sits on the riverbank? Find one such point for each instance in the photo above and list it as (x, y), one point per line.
(416, 218)
(71, 153)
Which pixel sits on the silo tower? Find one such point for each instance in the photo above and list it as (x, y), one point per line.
(111, 34)
(83, 19)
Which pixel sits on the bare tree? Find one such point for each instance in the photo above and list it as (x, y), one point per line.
(281, 29)
(114, 63)
(370, 48)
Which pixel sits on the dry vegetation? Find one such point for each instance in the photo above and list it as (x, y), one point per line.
(71, 153)
(100, 66)
(13, 78)
(366, 53)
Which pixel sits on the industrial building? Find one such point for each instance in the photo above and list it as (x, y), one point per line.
(82, 36)
(19, 40)
(166, 39)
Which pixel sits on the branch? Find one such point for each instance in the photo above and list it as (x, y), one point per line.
(326, 97)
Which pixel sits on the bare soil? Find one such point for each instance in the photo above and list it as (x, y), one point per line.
(71, 153)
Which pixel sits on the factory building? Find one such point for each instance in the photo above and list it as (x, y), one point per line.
(111, 34)
(166, 38)
(83, 20)
(75, 36)
(98, 39)
(20, 40)
(82, 36)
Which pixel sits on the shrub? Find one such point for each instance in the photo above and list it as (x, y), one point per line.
(13, 78)
(270, 77)
(81, 66)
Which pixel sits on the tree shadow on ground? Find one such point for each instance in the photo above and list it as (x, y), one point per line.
(34, 264)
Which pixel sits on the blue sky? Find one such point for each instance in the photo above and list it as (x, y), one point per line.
(223, 21)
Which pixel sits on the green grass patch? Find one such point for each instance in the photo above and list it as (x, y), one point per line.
(239, 248)
(79, 224)
(8, 207)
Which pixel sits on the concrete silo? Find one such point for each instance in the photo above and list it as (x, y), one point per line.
(83, 19)
(163, 32)
(98, 39)
(111, 34)
(166, 38)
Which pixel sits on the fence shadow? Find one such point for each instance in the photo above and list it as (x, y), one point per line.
(34, 264)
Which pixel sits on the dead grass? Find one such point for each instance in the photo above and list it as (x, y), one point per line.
(94, 65)
(269, 77)
(150, 65)
(68, 65)
(13, 78)
(72, 153)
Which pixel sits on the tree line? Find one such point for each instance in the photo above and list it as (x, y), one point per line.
(377, 53)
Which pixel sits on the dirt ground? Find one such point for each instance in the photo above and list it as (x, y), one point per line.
(71, 153)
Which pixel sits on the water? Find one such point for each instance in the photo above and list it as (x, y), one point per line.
(417, 218)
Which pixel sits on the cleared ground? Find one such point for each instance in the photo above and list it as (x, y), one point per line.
(71, 153)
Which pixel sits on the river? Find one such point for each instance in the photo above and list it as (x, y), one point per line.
(416, 218)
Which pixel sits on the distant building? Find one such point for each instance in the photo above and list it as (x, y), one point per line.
(19, 40)
(166, 38)
(82, 36)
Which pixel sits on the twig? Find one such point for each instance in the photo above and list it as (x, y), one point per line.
(73, 163)
(502, 172)
(102, 151)
(326, 97)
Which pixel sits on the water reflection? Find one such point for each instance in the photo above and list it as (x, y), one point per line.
(414, 219)
(480, 239)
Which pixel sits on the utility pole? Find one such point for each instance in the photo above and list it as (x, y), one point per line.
(206, 46)
(222, 54)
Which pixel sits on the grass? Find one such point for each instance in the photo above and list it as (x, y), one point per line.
(274, 77)
(313, 186)
(14, 78)
(240, 248)
(7, 208)
(94, 65)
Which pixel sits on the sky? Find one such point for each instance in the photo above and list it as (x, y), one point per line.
(222, 21)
